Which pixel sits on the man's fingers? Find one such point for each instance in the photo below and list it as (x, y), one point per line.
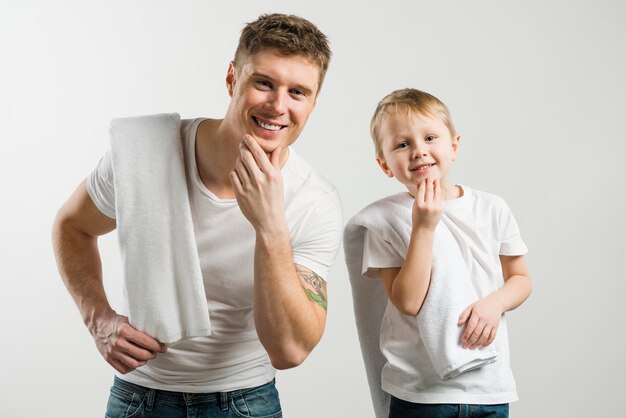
(275, 158)
(138, 353)
(242, 173)
(259, 155)
(141, 339)
(236, 183)
(249, 162)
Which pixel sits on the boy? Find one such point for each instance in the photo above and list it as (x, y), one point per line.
(416, 143)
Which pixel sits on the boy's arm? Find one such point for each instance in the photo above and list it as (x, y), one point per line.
(407, 286)
(483, 317)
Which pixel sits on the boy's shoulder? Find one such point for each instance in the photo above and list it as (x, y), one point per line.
(387, 217)
(382, 213)
(386, 206)
(482, 197)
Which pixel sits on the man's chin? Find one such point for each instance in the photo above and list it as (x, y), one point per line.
(267, 145)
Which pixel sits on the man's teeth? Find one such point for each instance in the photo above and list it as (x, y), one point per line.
(268, 126)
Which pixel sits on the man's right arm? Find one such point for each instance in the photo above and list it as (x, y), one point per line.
(75, 233)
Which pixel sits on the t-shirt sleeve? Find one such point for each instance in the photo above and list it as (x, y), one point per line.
(377, 254)
(316, 246)
(101, 188)
(511, 242)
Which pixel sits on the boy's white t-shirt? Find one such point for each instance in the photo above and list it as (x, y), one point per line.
(484, 228)
(232, 357)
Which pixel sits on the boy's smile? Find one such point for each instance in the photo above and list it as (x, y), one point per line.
(415, 147)
(272, 97)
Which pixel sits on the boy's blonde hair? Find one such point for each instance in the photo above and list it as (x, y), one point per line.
(410, 101)
(289, 35)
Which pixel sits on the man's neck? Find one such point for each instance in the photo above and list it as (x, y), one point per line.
(217, 149)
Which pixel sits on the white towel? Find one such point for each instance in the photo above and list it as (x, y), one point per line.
(162, 277)
(449, 293)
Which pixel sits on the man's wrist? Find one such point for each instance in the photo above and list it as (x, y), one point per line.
(93, 317)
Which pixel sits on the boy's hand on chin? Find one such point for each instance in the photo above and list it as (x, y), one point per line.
(428, 206)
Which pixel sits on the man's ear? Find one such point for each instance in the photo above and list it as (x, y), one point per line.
(455, 146)
(383, 165)
(231, 78)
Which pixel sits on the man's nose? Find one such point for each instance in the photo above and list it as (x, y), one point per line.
(277, 102)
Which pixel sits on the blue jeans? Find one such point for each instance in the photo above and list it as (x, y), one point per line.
(129, 400)
(404, 409)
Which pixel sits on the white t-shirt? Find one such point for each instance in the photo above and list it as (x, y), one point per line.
(232, 357)
(484, 228)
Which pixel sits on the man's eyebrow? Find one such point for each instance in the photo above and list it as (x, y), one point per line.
(260, 74)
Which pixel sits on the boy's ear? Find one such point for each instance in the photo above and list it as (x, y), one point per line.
(455, 146)
(231, 78)
(384, 167)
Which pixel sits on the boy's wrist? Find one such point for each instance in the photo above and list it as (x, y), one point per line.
(423, 231)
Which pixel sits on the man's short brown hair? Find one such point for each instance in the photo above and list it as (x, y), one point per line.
(289, 35)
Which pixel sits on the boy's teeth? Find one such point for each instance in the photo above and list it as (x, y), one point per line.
(268, 126)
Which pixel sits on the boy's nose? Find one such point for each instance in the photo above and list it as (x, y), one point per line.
(418, 152)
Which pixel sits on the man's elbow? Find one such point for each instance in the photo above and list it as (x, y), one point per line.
(289, 358)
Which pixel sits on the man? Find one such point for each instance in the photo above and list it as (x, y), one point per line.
(267, 228)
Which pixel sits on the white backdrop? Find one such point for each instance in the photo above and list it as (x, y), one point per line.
(535, 88)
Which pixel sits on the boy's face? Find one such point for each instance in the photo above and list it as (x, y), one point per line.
(272, 97)
(415, 147)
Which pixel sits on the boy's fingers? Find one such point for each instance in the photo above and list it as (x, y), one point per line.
(465, 315)
(492, 336)
(421, 190)
(473, 336)
(482, 338)
(428, 193)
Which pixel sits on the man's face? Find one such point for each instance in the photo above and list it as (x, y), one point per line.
(415, 147)
(272, 97)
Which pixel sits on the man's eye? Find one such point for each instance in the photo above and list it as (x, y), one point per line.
(264, 83)
(298, 92)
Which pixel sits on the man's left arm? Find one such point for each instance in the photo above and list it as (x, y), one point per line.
(289, 300)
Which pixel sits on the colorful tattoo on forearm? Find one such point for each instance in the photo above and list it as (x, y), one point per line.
(318, 292)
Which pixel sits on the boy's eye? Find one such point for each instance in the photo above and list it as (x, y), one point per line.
(402, 145)
(430, 138)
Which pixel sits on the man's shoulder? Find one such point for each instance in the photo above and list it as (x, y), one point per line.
(301, 175)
